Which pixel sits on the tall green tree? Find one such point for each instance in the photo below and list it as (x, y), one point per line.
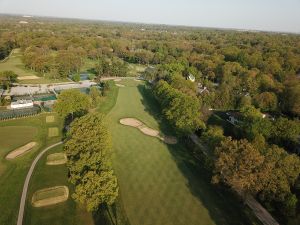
(72, 102)
(88, 150)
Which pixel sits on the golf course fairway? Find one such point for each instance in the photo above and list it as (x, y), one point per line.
(156, 186)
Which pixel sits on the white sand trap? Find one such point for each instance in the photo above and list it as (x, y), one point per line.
(21, 150)
(120, 85)
(50, 119)
(117, 80)
(56, 159)
(28, 78)
(132, 122)
(137, 80)
(50, 196)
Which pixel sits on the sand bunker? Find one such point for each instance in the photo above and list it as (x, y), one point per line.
(28, 78)
(120, 85)
(56, 159)
(50, 196)
(117, 80)
(137, 80)
(21, 150)
(147, 131)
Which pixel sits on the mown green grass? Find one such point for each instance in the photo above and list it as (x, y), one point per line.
(109, 101)
(65, 213)
(15, 133)
(135, 69)
(161, 184)
(14, 63)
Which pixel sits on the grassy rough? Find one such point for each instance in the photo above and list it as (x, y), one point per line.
(13, 134)
(66, 213)
(162, 184)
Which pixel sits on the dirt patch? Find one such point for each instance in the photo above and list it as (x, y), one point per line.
(117, 80)
(56, 159)
(53, 132)
(28, 78)
(50, 196)
(132, 122)
(120, 85)
(21, 150)
(50, 119)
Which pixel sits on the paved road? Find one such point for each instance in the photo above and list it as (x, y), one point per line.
(26, 184)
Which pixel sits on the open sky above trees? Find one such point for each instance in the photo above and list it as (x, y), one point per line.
(276, 15)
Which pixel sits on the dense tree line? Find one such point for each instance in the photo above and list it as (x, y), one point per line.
(181, 110)
(88, 150)
(266, 171)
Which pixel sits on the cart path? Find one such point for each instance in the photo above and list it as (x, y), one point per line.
(26, 184)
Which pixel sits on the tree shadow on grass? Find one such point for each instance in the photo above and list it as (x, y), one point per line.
(224, 207)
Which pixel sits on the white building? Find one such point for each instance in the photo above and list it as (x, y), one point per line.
(21, 104)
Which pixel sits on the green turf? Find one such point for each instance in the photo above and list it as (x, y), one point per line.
(109, 101)
(160, 184)
(21, 131)
(12, 137)
(55, 157)
(14, 63)
(135, 69)
(66, 213)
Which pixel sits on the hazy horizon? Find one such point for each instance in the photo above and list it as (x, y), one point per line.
(277, 15)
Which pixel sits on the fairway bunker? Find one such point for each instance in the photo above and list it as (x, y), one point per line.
(132, 122)
(56, 159)
(117, 80)
(50, 196)
(120, 85)
(20, 151)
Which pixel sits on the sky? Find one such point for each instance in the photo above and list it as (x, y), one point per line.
(269, 15)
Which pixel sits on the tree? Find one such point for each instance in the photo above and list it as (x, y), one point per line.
(213, 136)
(266, 101)
(286, 132)
(239, 165)
(95, 95)
(96, 189)
(72, 102)
(88, 150)
(7, 78)
(182, 110)
(253, 124)
(292, 99)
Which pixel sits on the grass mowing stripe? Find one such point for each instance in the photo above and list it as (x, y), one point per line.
(161, 184)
